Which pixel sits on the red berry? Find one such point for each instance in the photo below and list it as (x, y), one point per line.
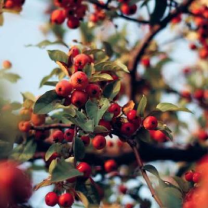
(94, 18)
(81, 60)
(199, 94)
(85, 139)
(110, 144)
(110, 165)
(105, 123)
(66, 200)
(192, 46)
(73, 22)
(24, 126)
(69, 135)
(128, 10)
(133, 118)
(122, 189)
(202, 135)
(74, 51)
(63, 88)
(79, 80)
(79, 98)
(150, 123)
(196, 177)
(7, 64)
(58, 16)
(83, 167)
(158, 136)
(93, 90)
(189, 176)
(128, 128)
(115, 109)
(129, 205)
(58, 136)
(145, 61)
(51, 199)
(99, 142)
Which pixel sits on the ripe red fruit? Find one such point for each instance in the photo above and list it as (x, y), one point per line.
(83, 167)
(7, 64)
(58, 16)
(94, 18)
(199, 94)
(58, 136)
(128, 128)
(85, 139)
(38, 119)
(79, 80)
(74, 51)
(79, 98)
(122, 189)
(66, 200)
(69, 135)
(159, 136)
(51, 199)
(110, 144)
(192, 46)
(128, 10)
(93, 90)
(24, 126)
(133, 118)
(81, 60)
(202, 135)
(110, 165)
(73, 22)
(129, 205)
(150, 123)
(99, 142)
(105, 123)
(63, 88)
(196, 177)
(189, 176)
(115, 109)
(145, 61)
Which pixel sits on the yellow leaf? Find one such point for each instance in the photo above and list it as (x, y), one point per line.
(46, 182)
(64, 68)
(83, 198)
(1, 19)
(129, 106)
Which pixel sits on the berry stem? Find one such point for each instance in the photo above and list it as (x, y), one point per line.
(145, 176)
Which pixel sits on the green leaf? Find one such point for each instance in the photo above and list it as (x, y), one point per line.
(108, 48)
(50, 83)
(100, 129)
(45, 43)
(28, 96)
(161, 63)
(52, 149)
(141, 107)
(63, 171)
(53, 164)
(11, 77)
(108, 116)
(170, 107)
(163, 127)
(143, 135)
(112, 89)
(57, 55)
(79, 149)
(100, 77)
(152, 169)
(184, 186)
(16, 105)
(47, 102)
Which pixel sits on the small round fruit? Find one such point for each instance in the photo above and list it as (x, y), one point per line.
(110, 165)
(145, 61)
(189, 176)
(99, 142)
(202, 135)
(128, 10)
(66, 200)
(58, 136)
(24, 126)
(122, 189)
(93, 90)
(51, 199)
(81, 60)
(199, 94)
(74, 51)
(79, 80)
(105, 123)
(83, 167)
(64, 88)
(159, 136)
(7, 64)
(85, 139)
(196, 177)
(115, 109)
(73, 22)
(69, 135)
(79, 98)
(37, 119)
(58, 16)
(128, 128)
(150, 123)
(133, 118)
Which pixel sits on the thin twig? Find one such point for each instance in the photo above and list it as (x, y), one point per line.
(51, 126)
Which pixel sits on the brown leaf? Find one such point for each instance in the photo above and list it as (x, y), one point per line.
(129, 106)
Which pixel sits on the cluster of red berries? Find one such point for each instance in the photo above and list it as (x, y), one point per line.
(98, 15)
(13, 4)
(72, 10)
(192, 176)
(126, 8)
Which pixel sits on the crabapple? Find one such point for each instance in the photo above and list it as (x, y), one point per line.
(38, 119)
(6, 64)
(73, 22)
(196, 177)
(69, 135)
(79, 80)
(63, 88)
(85, 139)
(110, 165)
(189, 176)
(133, 118)
(81, 60)
(66, 200)
(74, 51)
(150, 123)
(99, 142)
(128, 128)
(105, 123)
(79, 98)
(115, 109)
(51, 199)
(84, 168)
(24, 126)
(58, 136)
(128, 10)
(93, 90)
(58, 16)
(159, 136)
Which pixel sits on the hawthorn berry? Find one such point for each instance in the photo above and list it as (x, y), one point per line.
(202, 135)
(58, 136)
(69, 135)
(74, 51)
(110, 144)
(7, 64)
(79, 98)
(150, 123)
(122, 189)
(189, 176)
(105, 123)
(81, 60)
(73, 22)
(199, 94)
(99, 142)
(145, 61)
(196, 177)
(51, 199)
(58, 16)
(94, 18)
(79, 80)
(128, 128)
(128, 9)
(159, 136)
(85, 139)
(38, 119)
(63, 88)
(24, 126)
(66, 200)
(83, 167)
(115, 109)
(93, 90)
(110, 165)
(133, 118)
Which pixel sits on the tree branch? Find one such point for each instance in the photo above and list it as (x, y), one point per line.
(52, 126)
